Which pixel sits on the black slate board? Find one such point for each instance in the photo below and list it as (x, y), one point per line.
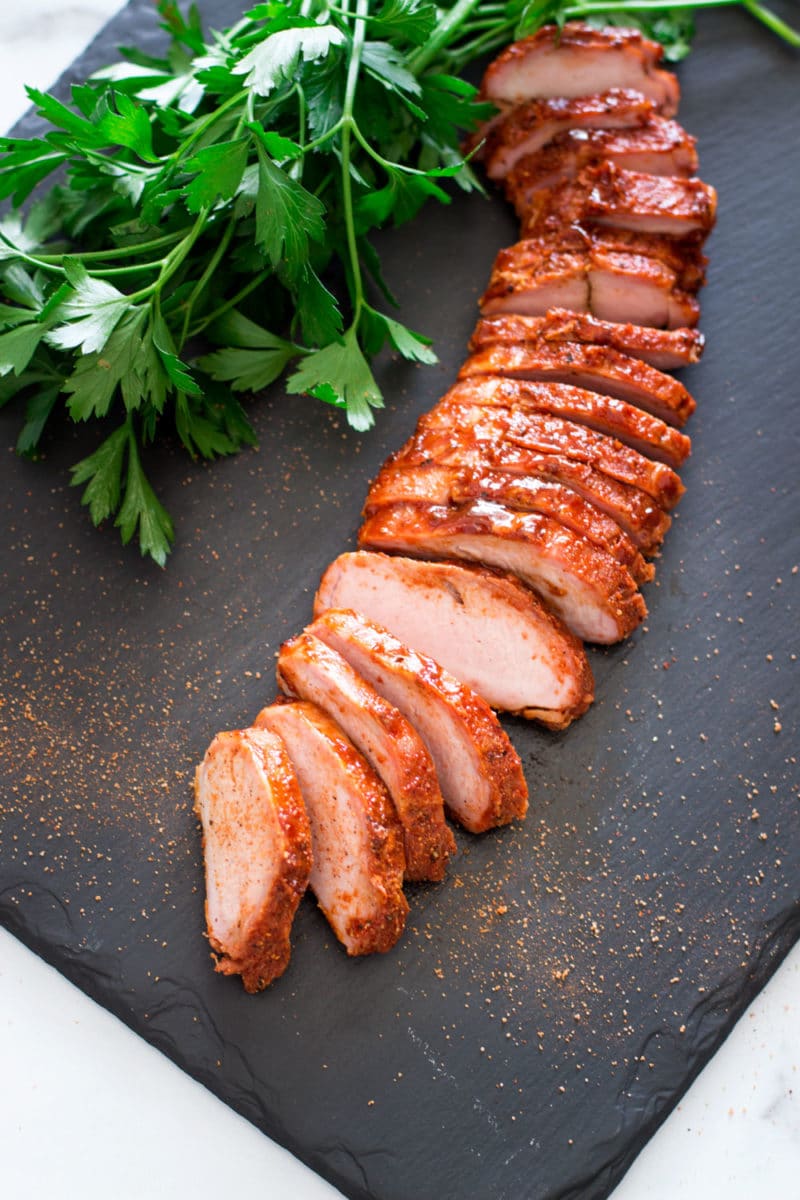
(551, 1002)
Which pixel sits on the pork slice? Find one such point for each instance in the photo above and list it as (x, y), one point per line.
(593, 369)
(356, 838)
(482, 626)
(548, 434)
(586, 587)
(655, 145)
(666, 349)
(536, 274)
(479, 771)
(649, 203)
(526, 128)
(631, 287)
(579, 60)
(616, 286)
(629, 424)
(546, 221)
(439, 485)
(310, 670)
(503, 465)
(257, 850)
(563, 217)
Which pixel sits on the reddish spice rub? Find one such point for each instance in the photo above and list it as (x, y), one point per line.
(356, 837)
(662, 348)
(311, 670)
(595, 368)
(441, 485)
(482, 625)
(618, 418)
(530, 430)
(257, 849)
(503, 465)
(586, 587)
(479, 771)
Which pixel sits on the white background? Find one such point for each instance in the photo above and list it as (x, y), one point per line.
(89, 1110)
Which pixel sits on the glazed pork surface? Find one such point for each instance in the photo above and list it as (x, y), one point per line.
(482, 626)
(356, 837)
(524, 429)
(257, 852)
(310, 670)
(584, 585)
(527, 128)
(538, 274)
(498, 468)
(592, 369)
(579, 60)
(440, 485)
(655, 146)
(627, 422)
(478, 769)
(666, 349)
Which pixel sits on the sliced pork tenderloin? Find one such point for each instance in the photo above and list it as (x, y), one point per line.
(585, 586)
(257, 851)
(606, 414)
(528, 128)
(579, 60)
(478, 769)
(484, 627)
(546, 434)
(666, 349)
(655, 146)
(502, 468)
(310, 670)
(356, 837)
(594, 369)
(439, 485)
(653, 204)
(535, 275)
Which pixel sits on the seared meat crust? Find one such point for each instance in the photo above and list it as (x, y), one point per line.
(483, 626)
(257, 851)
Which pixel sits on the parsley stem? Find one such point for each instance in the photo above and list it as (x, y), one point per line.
(120, 252)
(250, 286)
(348, 126)
(201, 283)
(442, 36)
(207, 122)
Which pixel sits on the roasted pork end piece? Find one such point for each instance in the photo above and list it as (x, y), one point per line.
(257, 851)
(356, 838)
(483, 626)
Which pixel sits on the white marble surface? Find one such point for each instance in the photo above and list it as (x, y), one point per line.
(89, 1110)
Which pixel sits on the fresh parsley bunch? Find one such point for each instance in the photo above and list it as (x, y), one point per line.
(235, 176)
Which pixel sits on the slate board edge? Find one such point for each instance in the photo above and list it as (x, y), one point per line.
(774, 948)
(124, 27)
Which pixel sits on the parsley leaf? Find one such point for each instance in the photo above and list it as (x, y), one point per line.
(219, 168)
(275, 58)
(340, 374)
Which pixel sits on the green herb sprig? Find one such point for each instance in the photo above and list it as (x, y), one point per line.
(212, 230)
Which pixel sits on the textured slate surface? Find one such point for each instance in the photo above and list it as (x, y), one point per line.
(550, 1003)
